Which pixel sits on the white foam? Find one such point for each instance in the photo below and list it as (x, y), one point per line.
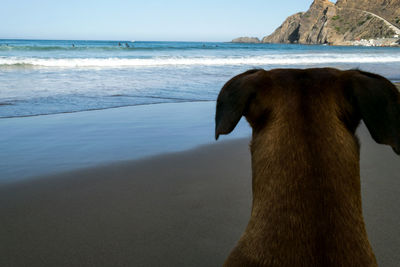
(288, 59)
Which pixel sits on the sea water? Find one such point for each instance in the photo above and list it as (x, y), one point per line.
(62, 78)
(40, 77)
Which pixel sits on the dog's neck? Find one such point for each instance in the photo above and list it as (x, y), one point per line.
(306, 191)
(319, 165)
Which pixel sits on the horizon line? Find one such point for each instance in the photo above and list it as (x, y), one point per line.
(113, 40)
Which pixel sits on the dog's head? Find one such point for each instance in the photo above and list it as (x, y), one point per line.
(348, 95)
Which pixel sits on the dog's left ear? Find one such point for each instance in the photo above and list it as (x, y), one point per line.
(233, 100)
(378, 102)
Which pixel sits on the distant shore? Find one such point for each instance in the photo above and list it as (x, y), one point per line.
(393, 42)
(380, 42)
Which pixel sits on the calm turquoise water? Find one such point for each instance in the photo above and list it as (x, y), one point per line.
(46, 76)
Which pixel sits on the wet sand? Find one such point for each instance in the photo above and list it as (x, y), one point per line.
(179, 209)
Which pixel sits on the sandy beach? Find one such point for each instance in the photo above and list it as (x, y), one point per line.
(184, 208)
(179, 209)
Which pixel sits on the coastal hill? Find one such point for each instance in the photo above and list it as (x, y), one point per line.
(253, 40)
(348, 22)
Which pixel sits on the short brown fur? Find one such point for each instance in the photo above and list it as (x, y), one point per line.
(305, 161)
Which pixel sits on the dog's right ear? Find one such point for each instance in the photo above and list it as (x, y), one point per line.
(378, 102)
(233, 101)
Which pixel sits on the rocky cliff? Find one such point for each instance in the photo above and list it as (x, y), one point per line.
(387, 9)
(342, 23)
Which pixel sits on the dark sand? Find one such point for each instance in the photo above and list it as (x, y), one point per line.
(182, 209)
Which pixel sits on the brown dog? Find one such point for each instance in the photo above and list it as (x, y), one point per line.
(305, 161)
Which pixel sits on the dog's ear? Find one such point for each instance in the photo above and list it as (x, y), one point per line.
(233, 100)
(378, 102)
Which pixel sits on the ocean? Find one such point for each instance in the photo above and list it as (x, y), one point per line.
(40, 77)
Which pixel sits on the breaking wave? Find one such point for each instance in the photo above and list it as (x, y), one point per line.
(113, 62)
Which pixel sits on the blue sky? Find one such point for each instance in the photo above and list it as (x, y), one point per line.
(152, 20)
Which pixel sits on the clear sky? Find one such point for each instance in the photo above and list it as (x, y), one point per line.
(151, 20)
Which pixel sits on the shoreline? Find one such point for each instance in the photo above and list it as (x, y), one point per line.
(97, 109)
(395, 82)
(40, 145)
(44, 144)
